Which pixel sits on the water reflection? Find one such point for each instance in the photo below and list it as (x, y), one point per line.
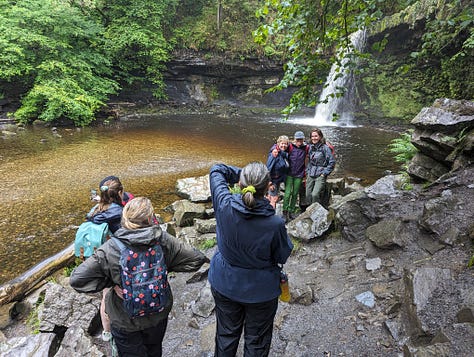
(46, 177)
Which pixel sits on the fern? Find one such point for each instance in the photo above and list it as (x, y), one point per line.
(403, 149)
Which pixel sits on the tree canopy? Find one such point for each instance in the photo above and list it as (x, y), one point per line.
(69, 56)
(310, 34)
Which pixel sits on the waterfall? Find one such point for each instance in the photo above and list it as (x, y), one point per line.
(341, 105)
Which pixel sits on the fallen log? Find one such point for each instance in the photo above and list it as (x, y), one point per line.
(16, 289)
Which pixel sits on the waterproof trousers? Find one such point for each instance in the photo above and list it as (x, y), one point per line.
(292, 187)
(144, 343)
(255, 319)
(315, 187)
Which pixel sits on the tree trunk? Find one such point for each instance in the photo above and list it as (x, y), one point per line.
(16, 289)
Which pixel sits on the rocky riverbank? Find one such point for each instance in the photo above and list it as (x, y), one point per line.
(383, 272)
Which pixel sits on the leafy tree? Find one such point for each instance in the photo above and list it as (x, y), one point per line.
(134, 38)
(217, 25)
(309, 34)
(52, 49)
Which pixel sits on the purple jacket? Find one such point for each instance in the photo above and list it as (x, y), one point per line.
(296, 157)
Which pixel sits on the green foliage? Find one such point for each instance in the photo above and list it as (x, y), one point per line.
(199, 28)
(134, 40)
(307, 33)
(403, 149)
(208, 244)
(297, 246)
(70, 56)
(68, 269)
(53, 49)
(33, 320)
(471, 262)
(448, 47)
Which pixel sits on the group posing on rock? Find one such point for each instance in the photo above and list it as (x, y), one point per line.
(303, 168)
(131, 265)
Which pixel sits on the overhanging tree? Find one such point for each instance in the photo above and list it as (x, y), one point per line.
(308, 34)
(54, 51)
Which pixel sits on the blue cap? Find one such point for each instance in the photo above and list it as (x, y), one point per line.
(299, 135)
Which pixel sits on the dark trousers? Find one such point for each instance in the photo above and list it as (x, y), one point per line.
(255, 319)
(145, 343)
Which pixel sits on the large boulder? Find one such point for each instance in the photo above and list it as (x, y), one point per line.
(444, 136)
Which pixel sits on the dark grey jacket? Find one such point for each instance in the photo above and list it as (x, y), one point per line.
(102, 270)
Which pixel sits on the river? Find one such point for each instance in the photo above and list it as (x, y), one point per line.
(47, 175)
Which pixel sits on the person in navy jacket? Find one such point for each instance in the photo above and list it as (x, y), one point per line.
(245, 272)
(278, 165)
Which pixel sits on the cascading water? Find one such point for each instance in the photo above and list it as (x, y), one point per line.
(339, 78)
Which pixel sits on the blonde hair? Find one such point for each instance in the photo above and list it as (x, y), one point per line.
(283, 138)
(137, 213)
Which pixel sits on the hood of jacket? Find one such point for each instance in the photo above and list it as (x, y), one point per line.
(262, 207)
(146, 236)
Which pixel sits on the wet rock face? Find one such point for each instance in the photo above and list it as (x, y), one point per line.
(200, 79)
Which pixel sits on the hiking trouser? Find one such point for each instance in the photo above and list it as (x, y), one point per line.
(144, 343)
(292, 187)
(256, 319)
(315, 187)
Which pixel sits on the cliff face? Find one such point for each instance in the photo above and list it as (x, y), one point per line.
(401, 83)
(204, 79)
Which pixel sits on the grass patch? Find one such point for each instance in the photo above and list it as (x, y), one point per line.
(68, 269)
(33, 321)
(208, 244)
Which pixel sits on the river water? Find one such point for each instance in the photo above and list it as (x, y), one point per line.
(46, 176)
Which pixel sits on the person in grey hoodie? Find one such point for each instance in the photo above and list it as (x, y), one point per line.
(143, 335)
(245, 272)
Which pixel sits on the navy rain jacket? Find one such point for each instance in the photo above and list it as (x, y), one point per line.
(112, 216)
(278, 166)
(251, 242)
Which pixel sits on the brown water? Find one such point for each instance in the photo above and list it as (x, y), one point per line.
(46, 179)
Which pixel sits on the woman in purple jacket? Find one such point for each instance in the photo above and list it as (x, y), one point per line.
(245, 272)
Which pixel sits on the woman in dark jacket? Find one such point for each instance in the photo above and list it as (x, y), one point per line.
(109, 208)
(143, 335)
(245, 273)
(277, 163)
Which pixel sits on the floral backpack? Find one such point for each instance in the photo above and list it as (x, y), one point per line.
(145, 287)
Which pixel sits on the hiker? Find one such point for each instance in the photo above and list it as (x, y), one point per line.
(244, 274)
(126, 196)
(108, 210)
(141, 335)
(297, 152)
(320, 165)
(278, 165)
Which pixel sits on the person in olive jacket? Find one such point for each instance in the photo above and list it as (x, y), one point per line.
(143, 335)
(245, 272)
